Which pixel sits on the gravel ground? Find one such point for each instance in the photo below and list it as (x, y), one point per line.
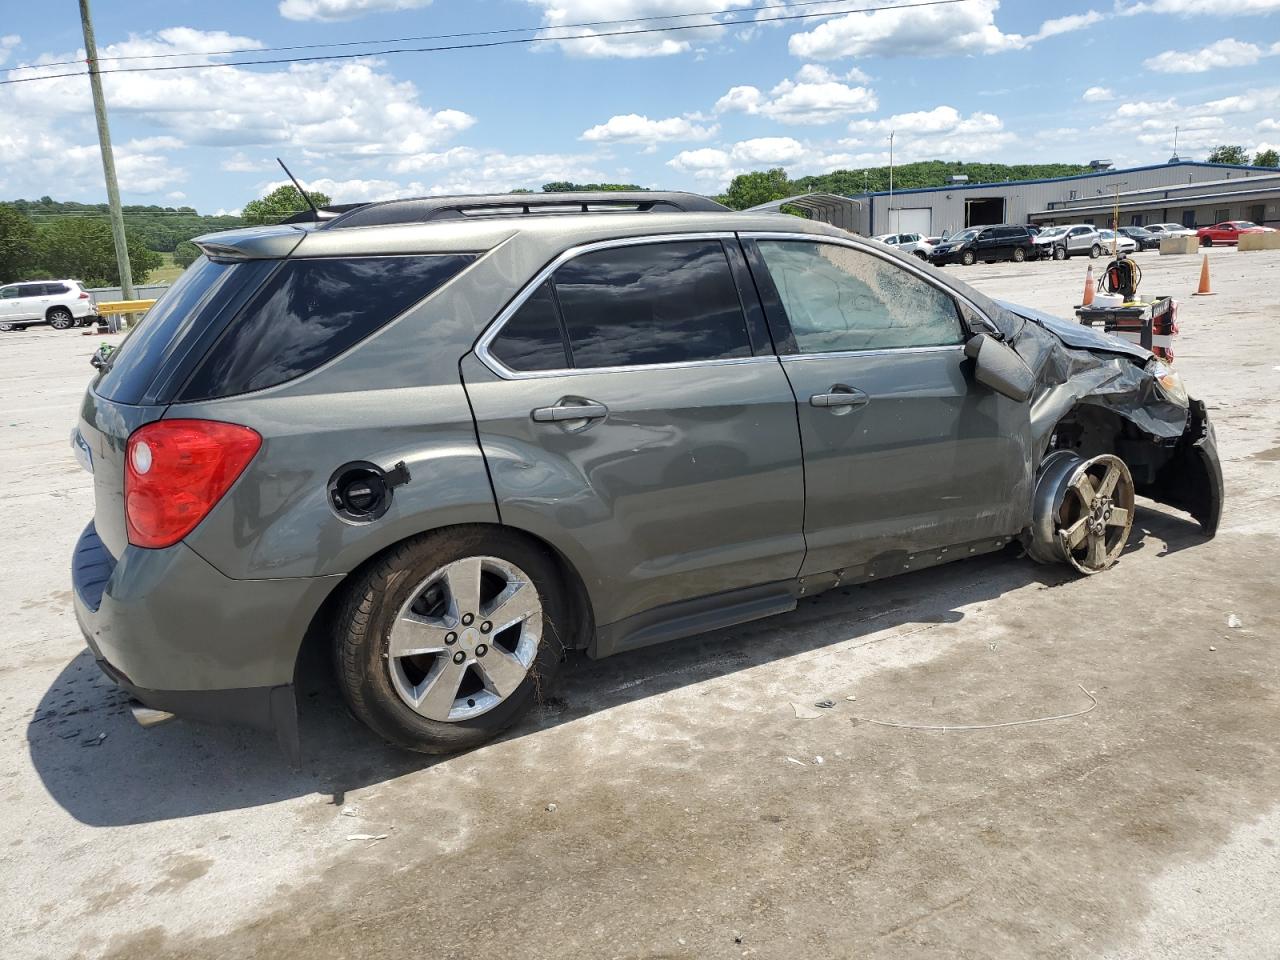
(670, 802)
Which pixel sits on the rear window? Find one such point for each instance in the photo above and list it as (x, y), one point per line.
(55, 289)
(310, 311)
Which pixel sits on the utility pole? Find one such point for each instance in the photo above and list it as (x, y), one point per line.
(891, 226)
(108, 162)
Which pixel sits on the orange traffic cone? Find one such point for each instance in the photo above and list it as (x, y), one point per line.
(1204, 290)
(1088, 287)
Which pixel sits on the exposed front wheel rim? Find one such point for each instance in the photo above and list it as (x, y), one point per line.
(465, 639)
(1096, 515)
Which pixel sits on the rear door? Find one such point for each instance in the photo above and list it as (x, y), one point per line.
(32, 301)
(632, 412)
(903, 451)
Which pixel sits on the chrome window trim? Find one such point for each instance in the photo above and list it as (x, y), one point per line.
(869, 248)
(495, 328)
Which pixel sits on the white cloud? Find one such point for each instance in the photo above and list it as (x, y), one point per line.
(1067, 24)
(557, 13)
(1269, 125)
(919, 32)
(943, 119)
(1145, 108)
(8, 44)
(816, 96)
(1187, 8)
(955, 29)
(346, 110)
(342, 9)
(1098, 95)
(634, 128)
(1216, 56)
(476, 170)
(716, 167)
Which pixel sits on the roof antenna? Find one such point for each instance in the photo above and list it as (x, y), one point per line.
(310, 202)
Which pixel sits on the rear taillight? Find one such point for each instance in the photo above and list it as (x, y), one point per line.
(84, 296)
(176, 470)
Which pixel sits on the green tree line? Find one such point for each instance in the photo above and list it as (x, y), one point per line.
(76, 248)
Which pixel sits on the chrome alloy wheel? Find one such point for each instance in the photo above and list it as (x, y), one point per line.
(465, 639)
(1096, 515)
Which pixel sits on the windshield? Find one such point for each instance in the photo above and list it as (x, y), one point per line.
(1053, 231)
(962, 236)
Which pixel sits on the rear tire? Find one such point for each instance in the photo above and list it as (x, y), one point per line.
(1019, 255)
(60, 318)
(469, 688)
(920, 255)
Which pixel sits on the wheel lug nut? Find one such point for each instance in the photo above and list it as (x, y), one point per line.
(486, 627)
(481, 650)
(459, 657)
(468, 619)
(450, 638)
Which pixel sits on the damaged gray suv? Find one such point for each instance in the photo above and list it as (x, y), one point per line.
(456, 437)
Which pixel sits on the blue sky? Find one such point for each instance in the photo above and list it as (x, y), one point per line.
(979, 80)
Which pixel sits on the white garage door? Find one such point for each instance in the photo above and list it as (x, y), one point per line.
(912, 220)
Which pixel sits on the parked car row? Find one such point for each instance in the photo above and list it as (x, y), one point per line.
(1229, 232)
(1020, 243)
(59, 303)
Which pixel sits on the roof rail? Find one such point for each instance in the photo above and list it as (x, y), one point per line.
(425, 209)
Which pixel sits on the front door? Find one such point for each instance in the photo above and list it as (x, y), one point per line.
(903, 451)
(632, 413)
(8, 304)
(31, 302)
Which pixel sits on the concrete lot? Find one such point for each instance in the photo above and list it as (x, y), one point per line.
(670, 803)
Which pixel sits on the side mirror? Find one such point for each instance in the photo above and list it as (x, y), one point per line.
(997, 366)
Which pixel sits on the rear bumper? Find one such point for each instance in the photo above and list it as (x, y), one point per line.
(179, 636)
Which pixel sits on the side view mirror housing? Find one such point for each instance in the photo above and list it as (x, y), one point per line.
(997, 366)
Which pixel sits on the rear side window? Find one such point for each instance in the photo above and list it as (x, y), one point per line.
(533, 338)
(309, 312)
(180, 310)
(56, 289)
(652, 303)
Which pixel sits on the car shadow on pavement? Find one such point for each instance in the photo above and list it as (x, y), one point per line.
(105, 770)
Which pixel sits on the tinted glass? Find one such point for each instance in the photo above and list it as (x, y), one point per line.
(309, 312)
(532, 339)
(31, 290)
(838, 298)
(144, 348)
(55, 289)
(8, 293)
(652, 303)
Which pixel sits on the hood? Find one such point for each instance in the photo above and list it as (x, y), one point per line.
(1077, 335)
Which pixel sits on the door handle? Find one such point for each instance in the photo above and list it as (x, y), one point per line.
(841, 395)
(570, 410)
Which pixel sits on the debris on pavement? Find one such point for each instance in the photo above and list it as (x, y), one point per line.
(818, 761)
(94, 741)
(350, 811)
(551, 808)
(367, 836)
(794, 760)
(825, 704)
(805, 712)
(1234, 622)
(1212, 648)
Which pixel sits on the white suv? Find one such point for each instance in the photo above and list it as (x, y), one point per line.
(908, 243)
(59, 303)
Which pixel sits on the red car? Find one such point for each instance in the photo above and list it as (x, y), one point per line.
(1228, 232)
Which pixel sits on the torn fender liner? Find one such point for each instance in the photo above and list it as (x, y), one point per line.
(1191, 479)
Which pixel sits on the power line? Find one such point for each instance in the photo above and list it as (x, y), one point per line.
(445, 36)
(494, 43)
